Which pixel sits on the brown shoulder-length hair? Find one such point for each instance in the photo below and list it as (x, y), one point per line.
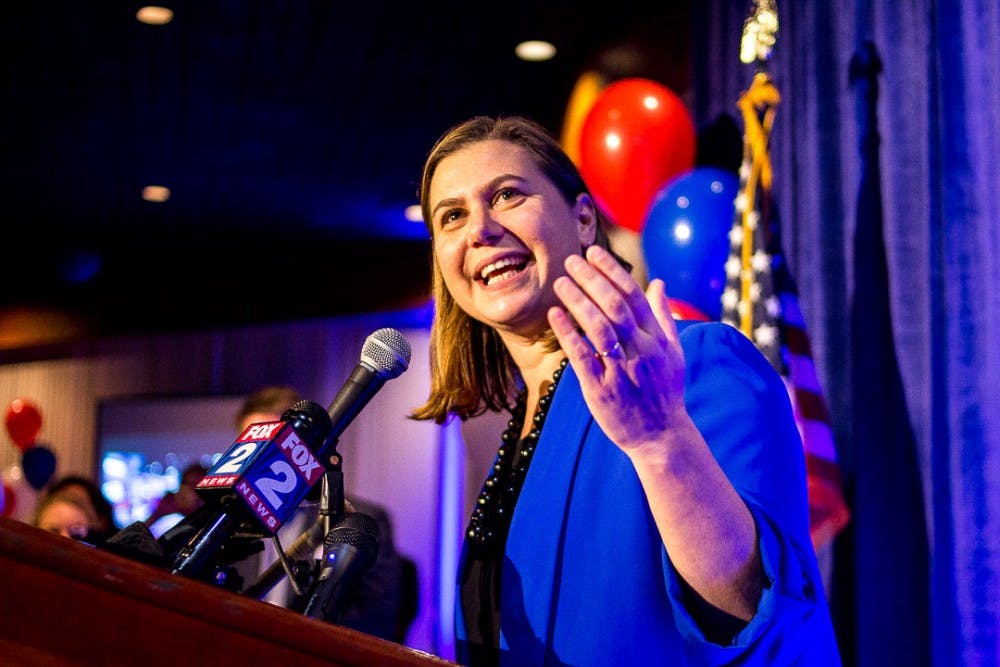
(471, 370)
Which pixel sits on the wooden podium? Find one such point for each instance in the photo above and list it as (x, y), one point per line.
(63, 602)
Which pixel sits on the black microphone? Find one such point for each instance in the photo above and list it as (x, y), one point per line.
(254, 487)
(349, 551)
(384, 356)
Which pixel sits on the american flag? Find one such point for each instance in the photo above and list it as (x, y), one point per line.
(760, 299)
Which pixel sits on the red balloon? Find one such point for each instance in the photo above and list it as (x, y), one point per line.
(636, 137)
(682, 310)
(24, 421)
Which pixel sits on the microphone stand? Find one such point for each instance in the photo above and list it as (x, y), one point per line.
(331, 499)
(331, 512)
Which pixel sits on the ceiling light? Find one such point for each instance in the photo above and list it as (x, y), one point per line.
(25, 326)
(535, 50)
(413, 213)
(156, 193)
(153, 15)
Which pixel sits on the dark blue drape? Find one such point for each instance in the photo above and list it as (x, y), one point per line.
(882, 477)
(896, 251)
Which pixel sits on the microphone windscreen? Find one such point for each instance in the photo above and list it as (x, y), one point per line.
(387, 352)
(309, 420)
(358, 530)
(137, 542)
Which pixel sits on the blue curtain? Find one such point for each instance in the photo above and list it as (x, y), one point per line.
(889, 188)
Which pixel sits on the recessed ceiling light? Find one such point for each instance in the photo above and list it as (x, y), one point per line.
(153, 15)
(156, 193)
(535, 50)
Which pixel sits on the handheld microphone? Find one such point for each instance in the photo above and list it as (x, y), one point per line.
(349, 551)
(384, 356)
(258, 482)
(272, 465)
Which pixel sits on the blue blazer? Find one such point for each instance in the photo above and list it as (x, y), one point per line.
(586, 578)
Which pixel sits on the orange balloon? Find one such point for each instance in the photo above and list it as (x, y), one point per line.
(585, 92)
(636, 137)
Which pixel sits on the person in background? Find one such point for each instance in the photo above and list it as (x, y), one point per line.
(85, 493)
(384, 602)
(66, 516)
(175, 505)
(647, 504)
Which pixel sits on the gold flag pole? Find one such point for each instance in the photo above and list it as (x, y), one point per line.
(760, 297)
(757, 105)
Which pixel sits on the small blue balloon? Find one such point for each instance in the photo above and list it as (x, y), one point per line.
(685, 240)
(39, 464)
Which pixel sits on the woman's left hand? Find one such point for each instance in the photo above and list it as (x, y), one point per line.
(633, 381)
(632, 370)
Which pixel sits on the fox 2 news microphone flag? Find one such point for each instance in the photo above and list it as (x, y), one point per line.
(760, 299)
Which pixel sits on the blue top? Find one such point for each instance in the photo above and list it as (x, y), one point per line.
(586, 578)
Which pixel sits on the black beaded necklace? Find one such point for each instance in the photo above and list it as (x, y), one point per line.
(491, 516)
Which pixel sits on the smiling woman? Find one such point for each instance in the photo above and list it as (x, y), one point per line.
(481, 264)
(644, 433)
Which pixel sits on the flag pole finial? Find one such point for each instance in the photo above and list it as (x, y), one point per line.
(759, 32)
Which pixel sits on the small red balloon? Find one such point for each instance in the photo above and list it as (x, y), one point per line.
(682, 310)
(637, 135)
(23, 421)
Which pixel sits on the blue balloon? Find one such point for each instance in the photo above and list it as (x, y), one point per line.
(685, 240)
(39, 464)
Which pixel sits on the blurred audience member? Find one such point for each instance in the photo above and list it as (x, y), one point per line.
(85, 494)
(175, 505)
(266, 405)
(64, 515)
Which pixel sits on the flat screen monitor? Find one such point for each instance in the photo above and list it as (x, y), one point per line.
(145, 443)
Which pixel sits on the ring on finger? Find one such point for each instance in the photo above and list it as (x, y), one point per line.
(613, 351)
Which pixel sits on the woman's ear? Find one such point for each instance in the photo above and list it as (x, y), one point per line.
(585, 212)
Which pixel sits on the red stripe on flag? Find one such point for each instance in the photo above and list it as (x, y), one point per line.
(818, 467)
(811, 405)
(796, 340)
(828, 513)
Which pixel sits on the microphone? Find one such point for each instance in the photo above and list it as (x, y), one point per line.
(349, 551)
(384, 356)
(256, 484)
